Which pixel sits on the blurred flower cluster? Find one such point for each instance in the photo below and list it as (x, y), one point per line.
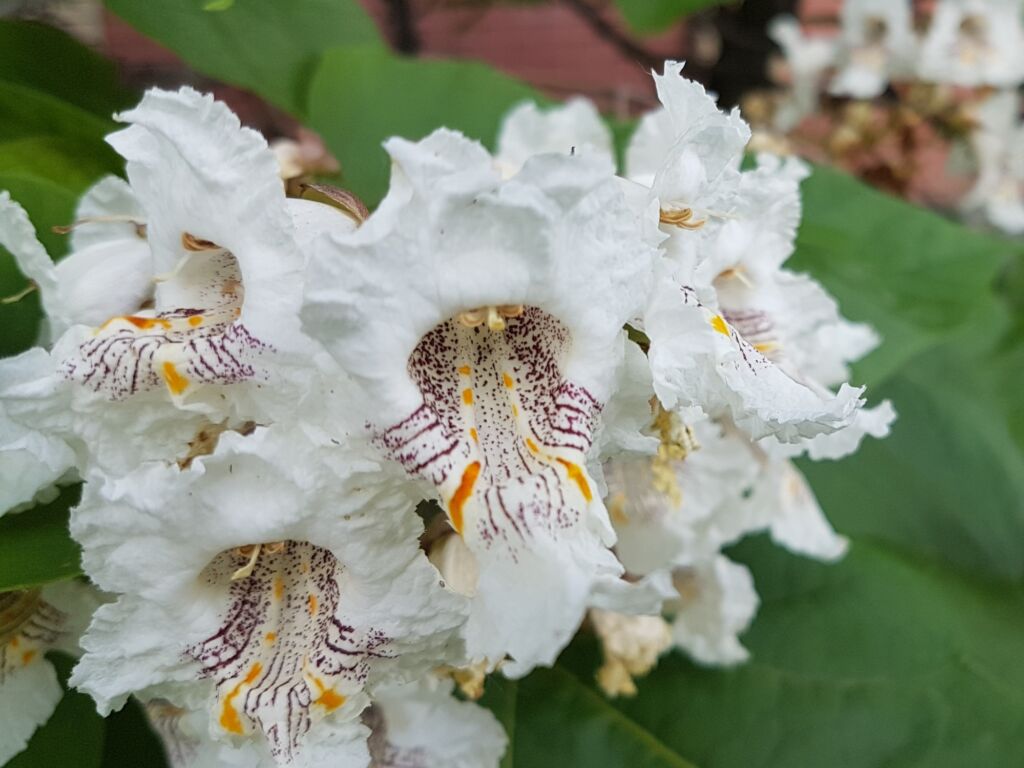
(338, 464)
(925, 105)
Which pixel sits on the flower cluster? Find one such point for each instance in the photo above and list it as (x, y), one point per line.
(335, 461)
(962, 72)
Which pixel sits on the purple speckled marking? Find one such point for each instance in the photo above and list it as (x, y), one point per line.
(285, 618)
(36, 636)
(125, 356)
(519, 489)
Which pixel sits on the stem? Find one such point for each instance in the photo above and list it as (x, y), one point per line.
(610, 33)
(403, 27)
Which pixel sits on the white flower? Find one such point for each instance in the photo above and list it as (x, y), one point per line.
(33, 457)
(483, 320)
(269, 583)
(681, 509)
(716, 605)
(998, 147)
(808, 58)
(574, 127)
(714, 216)
(974, 43)
(222, 265)
(108, 272)
(32, 623)
(422, 724)
(877, 44)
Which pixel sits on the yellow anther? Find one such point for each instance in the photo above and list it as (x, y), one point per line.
(680, 217)
(253, 552)
(494, 320)
(494, 316)
(192, 243)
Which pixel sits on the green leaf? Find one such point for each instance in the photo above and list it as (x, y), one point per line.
(647, 16)
(72, 73)
(268, 46)
(552, 718)
(913, 275)
(949, 481)
(361, 96)
(130, 741)
(877, 660)
(35, 546)
(73, 736)
(26, 112)
(218, 5)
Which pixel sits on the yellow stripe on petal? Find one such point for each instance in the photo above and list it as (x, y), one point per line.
(719, 324)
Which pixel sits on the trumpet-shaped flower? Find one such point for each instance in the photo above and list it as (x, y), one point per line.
(32, 623)
(215, 255)
(974, 43)
(304, 588)
(483, 320)
(807, 58)
(877, 43)
(998, 146)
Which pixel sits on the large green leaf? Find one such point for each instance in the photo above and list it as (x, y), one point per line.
(949, 481)
(35, 546)
(878, 660)
(361, 96)
(268, 46)
(552, 718)
(656, 15)
(72, 72)
(73, 736)
(913, 275)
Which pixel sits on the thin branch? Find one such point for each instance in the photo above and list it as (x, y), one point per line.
(404, 35)
(607, 31)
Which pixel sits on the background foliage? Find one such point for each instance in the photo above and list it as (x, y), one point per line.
(906, 653)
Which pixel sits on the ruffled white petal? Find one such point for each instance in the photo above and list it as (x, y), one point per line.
(717, 604)
(424, 725)
(33, 401)
(28, 696)
(574, 127)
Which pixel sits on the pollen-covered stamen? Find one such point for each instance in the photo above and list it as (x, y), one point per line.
(494, 316)
(177, 346)
(140, 226)
(677, 441)
(284, 656)
(194, 244)
(680, 217)
(251, 552)
(29, 626)
(501, 433)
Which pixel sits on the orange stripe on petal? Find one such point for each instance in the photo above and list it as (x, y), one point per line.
(462, 494)
(577, 476)
(175, 381)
